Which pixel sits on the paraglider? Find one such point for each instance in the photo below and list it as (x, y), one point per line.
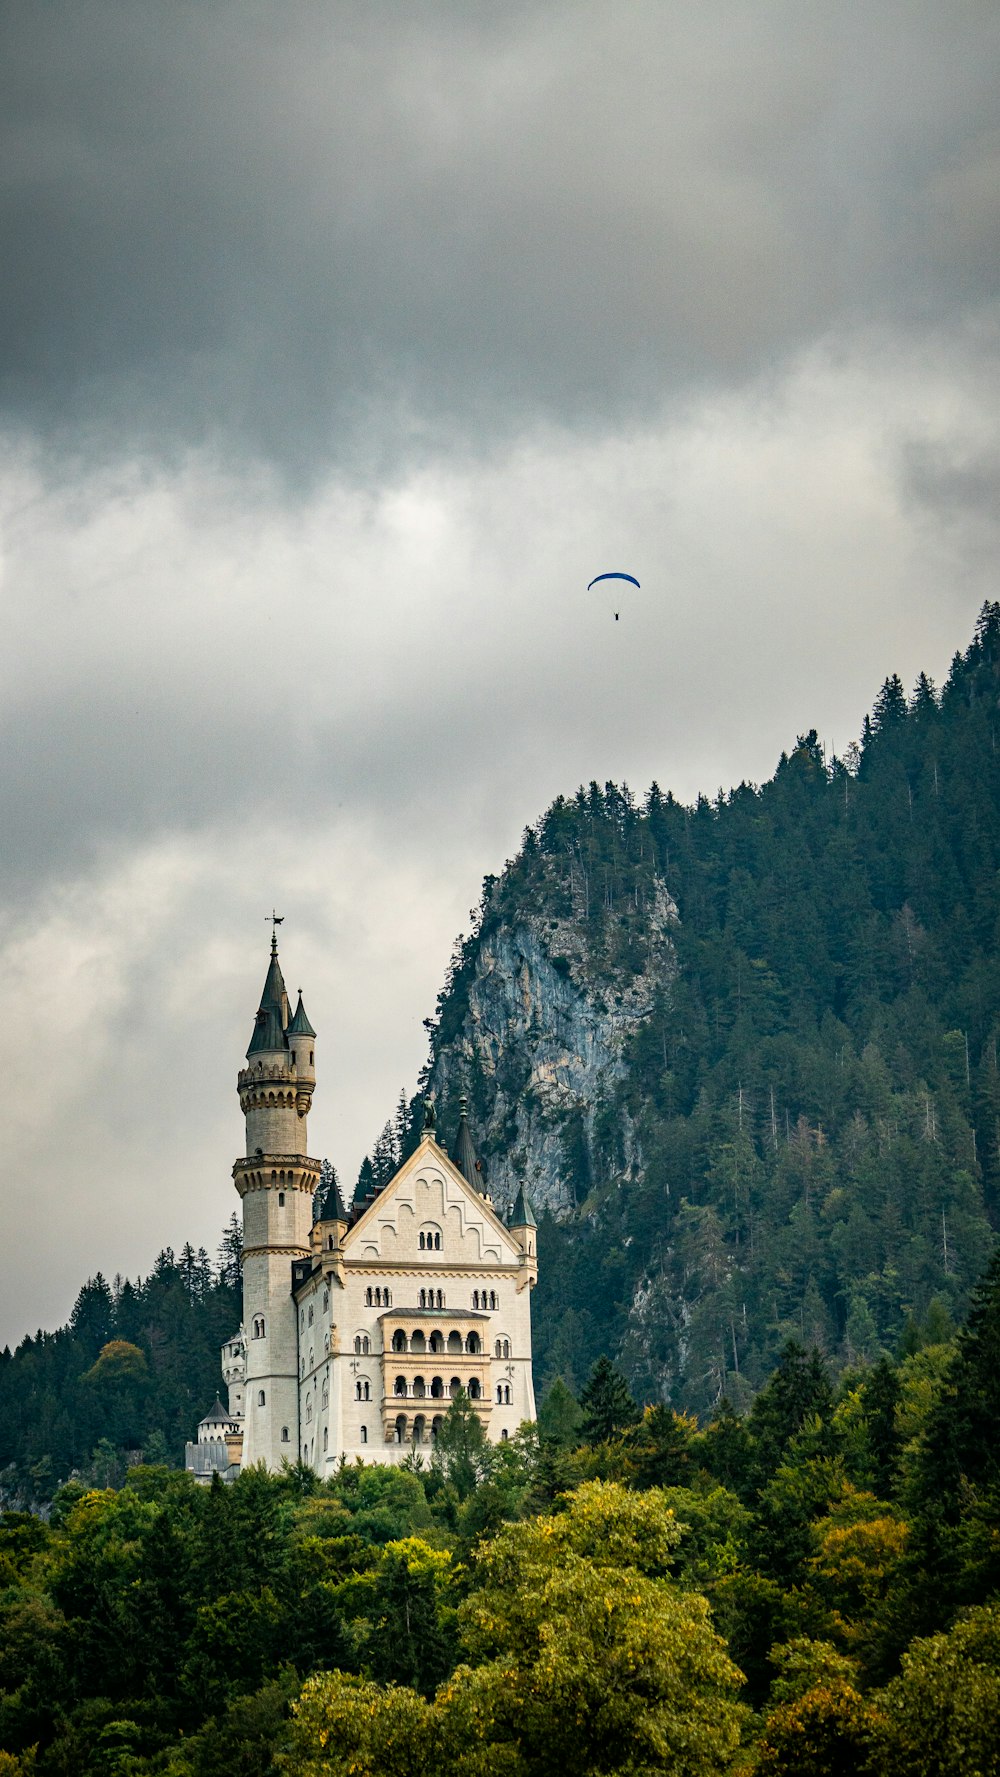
(614, 576)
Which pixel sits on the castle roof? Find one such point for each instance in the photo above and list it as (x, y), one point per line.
(272, 1017)
(522, 1216)
(300, 1025)
(465, 1155)
(217, 1415)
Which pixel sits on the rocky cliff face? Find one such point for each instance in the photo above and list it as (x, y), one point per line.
(540, 1046)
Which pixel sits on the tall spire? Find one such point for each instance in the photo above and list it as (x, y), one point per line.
(465, 1154)
(272, 1017)
(300, 1025)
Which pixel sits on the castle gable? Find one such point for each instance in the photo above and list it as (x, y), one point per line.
(429, 1213)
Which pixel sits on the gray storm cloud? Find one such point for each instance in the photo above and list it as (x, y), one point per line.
(314, 230)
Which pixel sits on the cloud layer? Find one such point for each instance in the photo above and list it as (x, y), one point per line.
(341, 347)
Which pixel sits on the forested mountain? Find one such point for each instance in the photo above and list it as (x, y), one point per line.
(745, 1053)
(127, 1379)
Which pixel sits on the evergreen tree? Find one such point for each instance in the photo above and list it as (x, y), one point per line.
(606, 1403)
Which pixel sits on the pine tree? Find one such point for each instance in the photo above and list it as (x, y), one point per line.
(607, 1404)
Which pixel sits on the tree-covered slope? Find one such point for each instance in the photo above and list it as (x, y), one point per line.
(745, 1053)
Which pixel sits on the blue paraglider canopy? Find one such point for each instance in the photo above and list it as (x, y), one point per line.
(629, 577)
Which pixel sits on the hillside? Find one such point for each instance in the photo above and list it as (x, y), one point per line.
(745, 1053)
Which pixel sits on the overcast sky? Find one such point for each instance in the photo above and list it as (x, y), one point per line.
(341, 345)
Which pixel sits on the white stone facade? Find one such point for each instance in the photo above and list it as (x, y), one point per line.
(358, 1329)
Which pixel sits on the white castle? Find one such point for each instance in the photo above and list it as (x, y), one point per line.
(360, 1326)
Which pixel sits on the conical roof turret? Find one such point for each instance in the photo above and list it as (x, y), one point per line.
(522, 1215)
(465, 1155)
(272, 1017)
(300, 1025)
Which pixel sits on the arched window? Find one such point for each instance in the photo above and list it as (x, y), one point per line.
(435, 1426)
(505, 1434)
(472, 1344)
(284, 1434)
(368, 1298)
(387, 1298)
(499, 1395)
(418, 1387)
(437, 1243)
(494, 1303)
(378, 1298)
(399, 1386)
(475, 1298)
(281, 1199)
(417, 1341)
(260, 1397)
(423, 1242)
(399, 1340)
(440, 1300)
(455, 1386)
(401, 1429)
(259, 1327)
(437, 1387)
(497, 1352)
(418, 1429)
(506, 1348)
(437, 1341)
(454, 1341)
(475, 1392)
(364, 1434)
(422, 1299)
(357, 1345)
(366, 1344)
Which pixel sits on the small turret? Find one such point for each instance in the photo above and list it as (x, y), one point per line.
(522, 1223)
(269, 1026)
(469, 1165)
(301, 1039)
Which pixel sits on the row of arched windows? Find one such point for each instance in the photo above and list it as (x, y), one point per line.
(502, 1348)
(485, 1299)
(503, 1394)
(430, 1242)
(420, 1390)
(431, 1299)
(418, 1341)
(362, 1344)
(259, 1327)
(363, 1390)
(378, 1298)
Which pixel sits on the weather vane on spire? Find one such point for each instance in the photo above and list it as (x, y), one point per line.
(274, 920)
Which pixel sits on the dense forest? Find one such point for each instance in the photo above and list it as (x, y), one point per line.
(804, 1137)
(807, 1589)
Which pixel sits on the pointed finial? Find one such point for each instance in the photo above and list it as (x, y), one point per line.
(274, 920)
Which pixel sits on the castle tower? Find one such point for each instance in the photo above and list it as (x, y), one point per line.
(276, 1181)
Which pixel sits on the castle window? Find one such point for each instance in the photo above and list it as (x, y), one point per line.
(440, 1300)
(475, 1298)
(310, 1315)
(472, 1344)
(475, 1392)
(399, 1341)
(422, 1299)
(281, 1199)
(364, 1434)
(401, 1429)
(417, 1341)
(284, 1434)
(387, 1298)
(310, 1058)
(326, 1439)
(437, 1243)
(259, 1327)
(506, 1348)
(378, 1298)
(368, 1298)
(499, 1395)
(329, 1242)
(418, 1387)
(260, 1397)
(399, 1386)
(454, 1341)
(497, 1350)
(505, 1434)
(494, 1302)
(437, 1388)
(437, 1341)
(423, 1243)
(455, 1386)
